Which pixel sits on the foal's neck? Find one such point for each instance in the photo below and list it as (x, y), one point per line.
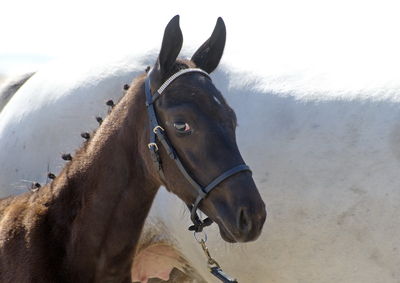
(104, 195)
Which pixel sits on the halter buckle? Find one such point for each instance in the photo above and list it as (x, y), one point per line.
(153, 144)
(156, 128)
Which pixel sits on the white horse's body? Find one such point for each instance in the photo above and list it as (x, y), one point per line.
(327, 165)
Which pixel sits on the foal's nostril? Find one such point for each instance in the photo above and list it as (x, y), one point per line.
(243, 221)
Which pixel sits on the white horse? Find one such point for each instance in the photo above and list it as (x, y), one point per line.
(327, 165)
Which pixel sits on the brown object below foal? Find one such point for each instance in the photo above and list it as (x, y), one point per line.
(84, 226)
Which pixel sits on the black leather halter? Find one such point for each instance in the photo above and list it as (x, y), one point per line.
(157, 132)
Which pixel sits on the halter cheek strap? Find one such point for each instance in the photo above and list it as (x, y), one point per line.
(157, 133)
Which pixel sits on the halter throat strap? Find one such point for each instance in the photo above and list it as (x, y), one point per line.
(157, 133)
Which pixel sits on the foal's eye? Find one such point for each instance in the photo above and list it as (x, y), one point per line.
(182, 127)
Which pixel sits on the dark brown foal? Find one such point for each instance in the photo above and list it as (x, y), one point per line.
(85, 225)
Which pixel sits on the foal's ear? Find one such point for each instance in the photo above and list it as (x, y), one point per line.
(171, 45)
(209, 54)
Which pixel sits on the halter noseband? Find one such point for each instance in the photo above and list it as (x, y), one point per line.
(157, 132)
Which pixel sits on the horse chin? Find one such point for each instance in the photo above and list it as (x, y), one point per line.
(226, 235)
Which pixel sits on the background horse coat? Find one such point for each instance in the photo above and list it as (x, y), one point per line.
(326, 163)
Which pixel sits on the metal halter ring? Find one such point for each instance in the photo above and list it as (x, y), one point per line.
(153, 144)
(200, 236)
(156, 128)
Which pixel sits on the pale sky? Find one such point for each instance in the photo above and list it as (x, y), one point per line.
(343, 38)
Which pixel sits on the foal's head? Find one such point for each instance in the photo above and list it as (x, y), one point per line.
(201, 127)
